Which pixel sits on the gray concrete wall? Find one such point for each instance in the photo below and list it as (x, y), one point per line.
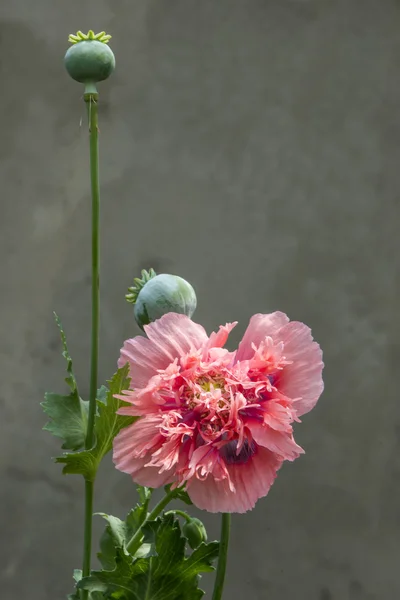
(252, 146)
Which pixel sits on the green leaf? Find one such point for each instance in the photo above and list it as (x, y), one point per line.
(107, 425)
(135, 519)
(169, 575)
(117, 529)
(93, 596)
(107, 552)
(70, 379)
(105, 581)
(77, 577)
(144, 494)
(68, 414)
(101, 394)
(76, 594)
(118, 534)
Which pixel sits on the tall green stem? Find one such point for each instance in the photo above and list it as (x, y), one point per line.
(223, 557)
(94, 179)
(87, 542)
(91, 101)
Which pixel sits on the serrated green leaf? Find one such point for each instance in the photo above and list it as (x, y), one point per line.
(77, 577)
(79, 463)
(70, 379)
(134, 520)
(107, 425)
(101, 394)
(169, 575)
(148, 543)
(107, 552)
(105, 583)
(117, 534)
(68, 414)
(144, 494)
(117, 529)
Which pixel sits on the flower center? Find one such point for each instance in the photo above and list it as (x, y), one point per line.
(208, 383)
(207, 400)
(210, 404)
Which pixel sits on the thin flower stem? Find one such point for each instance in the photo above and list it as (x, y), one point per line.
(91, 101)
(94, 178)
(87, 542)
(180, 513)
(135, 541)
(223, 556)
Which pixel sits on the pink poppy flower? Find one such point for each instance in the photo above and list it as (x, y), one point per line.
(218, 422)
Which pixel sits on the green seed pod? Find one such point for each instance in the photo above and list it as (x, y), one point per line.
(156, 295)
(89, 59)
(195, 532)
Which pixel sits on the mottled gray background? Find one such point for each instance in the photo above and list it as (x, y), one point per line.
(252, 146)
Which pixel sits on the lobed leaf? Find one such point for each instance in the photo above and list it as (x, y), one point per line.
(68, 414)
(118, 534)
(107, 424)
(166, 574)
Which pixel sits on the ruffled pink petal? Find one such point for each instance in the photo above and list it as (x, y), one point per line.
(169, 337)
(136, 440)
(129, 411)
(149, 476)
(251, 480)
(219, 338)
(141, 403)
(144, 360)
(129, 444)
(277, 416)
(303, 378)
(175, 335)
(259, 328)
(167, 456)
(280, 442)
(206, 462)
